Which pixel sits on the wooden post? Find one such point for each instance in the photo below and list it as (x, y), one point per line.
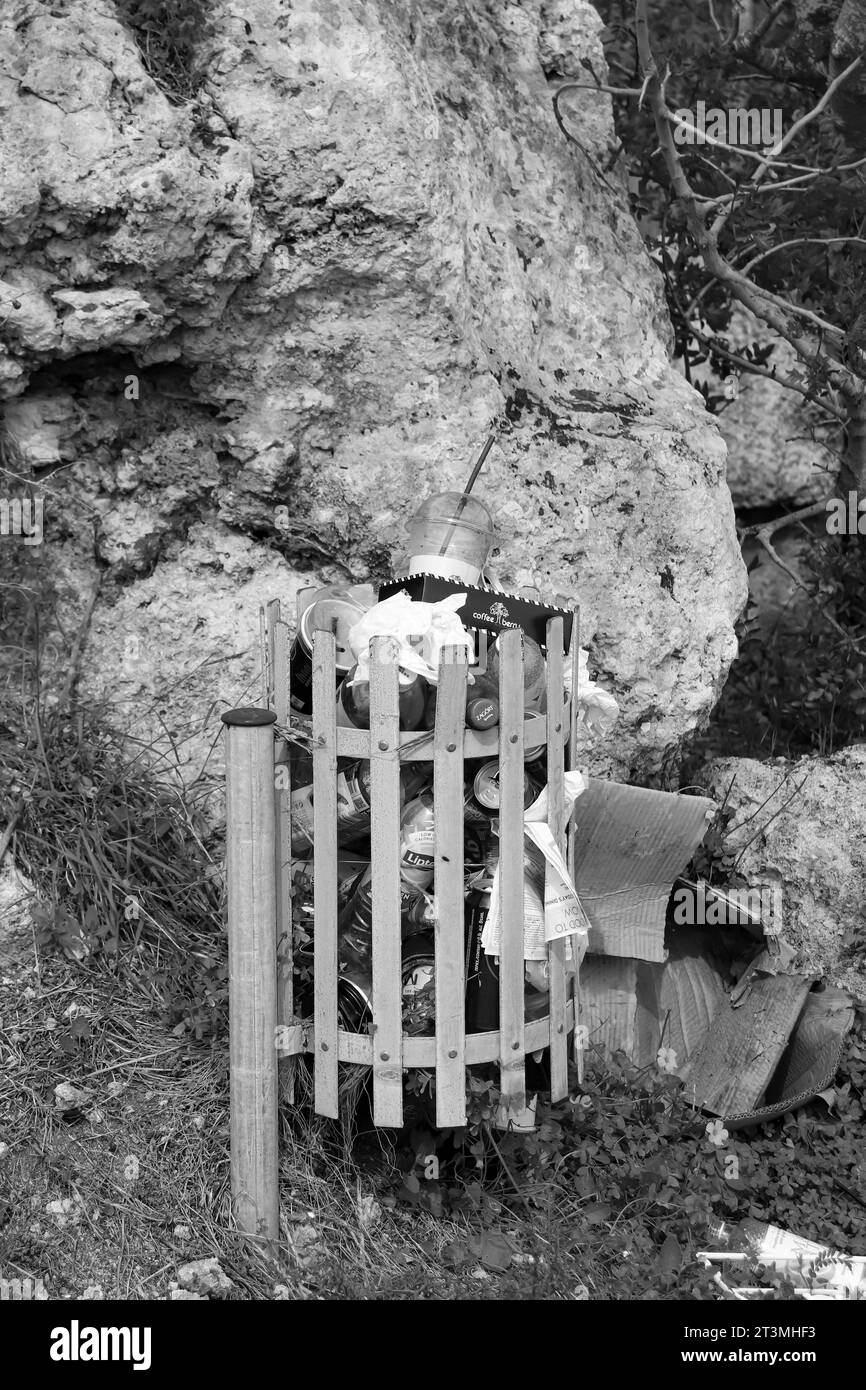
(250, 838)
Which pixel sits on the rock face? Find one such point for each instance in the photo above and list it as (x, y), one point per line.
(809, 835)
(250, 328)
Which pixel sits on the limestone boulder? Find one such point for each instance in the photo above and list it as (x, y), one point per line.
(802, 825)
(276, 309)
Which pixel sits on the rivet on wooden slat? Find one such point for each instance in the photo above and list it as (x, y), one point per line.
(453, 1052)
(383, 745)
(324, 1047)
(515, 1046)
(452, 747)
(385, 1056)
(513, 738)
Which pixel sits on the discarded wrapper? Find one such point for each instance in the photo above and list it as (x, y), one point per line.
(421, 631)
(805, 1262)
(563, 915)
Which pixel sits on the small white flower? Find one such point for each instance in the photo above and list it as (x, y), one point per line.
(666, 1059)
(716, 1133)
(131, 1168)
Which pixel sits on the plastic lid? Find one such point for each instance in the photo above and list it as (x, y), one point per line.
(446, 506)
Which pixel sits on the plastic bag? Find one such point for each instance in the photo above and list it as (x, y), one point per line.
(420, 630)
(597, 709)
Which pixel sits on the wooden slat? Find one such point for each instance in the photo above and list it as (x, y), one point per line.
(579, 1028)
(325, 964)
(733, 1064)
(477, 743)
(449, 909)
(279, 647)
(511, 979)
(417, 1052)
(556, 821)
(385, 860)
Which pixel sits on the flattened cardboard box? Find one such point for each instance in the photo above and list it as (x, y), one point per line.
(630, 845)
(484, 609)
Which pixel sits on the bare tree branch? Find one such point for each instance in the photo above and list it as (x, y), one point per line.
(801, 241)
(762, 303)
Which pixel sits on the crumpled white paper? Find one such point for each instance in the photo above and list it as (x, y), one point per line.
(421, 630)
(597, 709)
(563, 916)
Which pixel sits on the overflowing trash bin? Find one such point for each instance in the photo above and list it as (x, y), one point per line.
(431, 839)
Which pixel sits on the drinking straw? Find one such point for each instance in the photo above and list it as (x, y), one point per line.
(479, 464)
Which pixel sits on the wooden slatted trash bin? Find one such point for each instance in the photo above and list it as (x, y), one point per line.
(385, 1048)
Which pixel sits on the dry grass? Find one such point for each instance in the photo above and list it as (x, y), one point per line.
(141, 1159)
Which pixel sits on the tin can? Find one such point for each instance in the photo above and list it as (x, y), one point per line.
(485, 787)
(336, 609)
(418, 984)
(418, 976)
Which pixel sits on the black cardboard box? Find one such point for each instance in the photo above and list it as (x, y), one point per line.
(484, 609)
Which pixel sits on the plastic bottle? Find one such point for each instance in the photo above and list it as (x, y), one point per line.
(418, 840)
(450, 535)
(534, 685)
(353, 702)
(482, 708)
(534, 674)
(355, 927)
(355, 922)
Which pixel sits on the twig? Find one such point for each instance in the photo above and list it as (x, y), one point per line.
(754, 37)
(6, 839)
(148, 1057)
(68, 689)
(762, 828)
(800, 241)
(763, 531)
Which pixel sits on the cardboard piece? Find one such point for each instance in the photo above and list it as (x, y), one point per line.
(637, 1006)
(810, 1060)
(631, 844)
(485, 610)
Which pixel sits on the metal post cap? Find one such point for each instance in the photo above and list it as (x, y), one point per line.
(248, 717)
